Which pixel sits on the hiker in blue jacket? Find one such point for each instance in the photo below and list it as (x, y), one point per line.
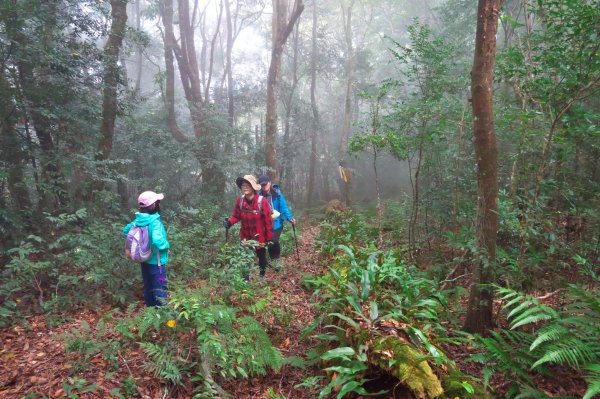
(154, 271)
(281, 212)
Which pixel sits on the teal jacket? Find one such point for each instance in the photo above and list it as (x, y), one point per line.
(158, 235)
(278, 203)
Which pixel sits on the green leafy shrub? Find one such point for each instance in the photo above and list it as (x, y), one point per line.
(199, 338)
(372, 297)
(77, 262)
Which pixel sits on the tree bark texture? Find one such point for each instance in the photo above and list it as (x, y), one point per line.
(282, 27)
(111, 77)
(479, 312)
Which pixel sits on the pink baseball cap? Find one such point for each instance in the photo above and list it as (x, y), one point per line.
(148, 198)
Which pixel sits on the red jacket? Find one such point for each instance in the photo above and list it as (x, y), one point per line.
(255, 226)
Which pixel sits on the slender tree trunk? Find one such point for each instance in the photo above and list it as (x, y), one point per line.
(111, 77)
(282, 27)
(287, 171)
(228, 64)
(416, 201)
(139, 50)
(458, 172)
(166, 9)
(479, 312)
(345, 133)
(315, 110)
(211, 58)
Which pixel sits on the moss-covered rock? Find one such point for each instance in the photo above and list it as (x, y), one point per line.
(406, 364)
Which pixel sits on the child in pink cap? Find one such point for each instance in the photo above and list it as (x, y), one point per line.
(154, 271)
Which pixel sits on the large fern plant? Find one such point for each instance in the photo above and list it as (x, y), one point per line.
(541, 336)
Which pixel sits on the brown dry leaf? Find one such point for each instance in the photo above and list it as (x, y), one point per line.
(286, 342)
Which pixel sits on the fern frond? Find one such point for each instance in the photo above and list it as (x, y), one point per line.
(574, 356)
(593, 380)
(552, 332)
(530, 316)
(163, 363)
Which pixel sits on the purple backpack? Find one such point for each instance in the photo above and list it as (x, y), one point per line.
(137, 244)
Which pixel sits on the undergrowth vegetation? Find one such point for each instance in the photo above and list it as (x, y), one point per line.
(384, 315)
(389, 324)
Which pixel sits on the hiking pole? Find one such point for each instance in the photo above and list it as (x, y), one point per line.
(296, 241)
(225, 224)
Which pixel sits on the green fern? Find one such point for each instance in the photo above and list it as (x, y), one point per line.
(259, 353)
(567, 336)
(164, 363)
(507, 352)
(593, 380)
(524, 309)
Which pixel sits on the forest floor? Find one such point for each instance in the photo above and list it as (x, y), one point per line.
(34, 362)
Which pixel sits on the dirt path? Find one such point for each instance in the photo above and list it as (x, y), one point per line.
(34, 363)
(292, 298)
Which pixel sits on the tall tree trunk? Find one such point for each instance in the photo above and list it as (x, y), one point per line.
(282, 27)
(166, 10)
(315, 110)
(186, 55)
(139, 50)
(287, 171)
(479, 312)
(111, 77)
(228, 65)
(414, 212)
(345, 133)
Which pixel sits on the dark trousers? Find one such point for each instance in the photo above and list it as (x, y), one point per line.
(275, 248)
(262, 260)
(155, 284)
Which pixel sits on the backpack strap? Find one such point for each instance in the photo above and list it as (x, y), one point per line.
(260, 197)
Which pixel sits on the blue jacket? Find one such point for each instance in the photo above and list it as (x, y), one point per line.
(158, 235)
(278, 203)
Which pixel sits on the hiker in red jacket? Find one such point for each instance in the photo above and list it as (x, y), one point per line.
(254, 211)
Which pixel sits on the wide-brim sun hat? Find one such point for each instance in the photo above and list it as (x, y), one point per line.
(248, 179)
(148, 198)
